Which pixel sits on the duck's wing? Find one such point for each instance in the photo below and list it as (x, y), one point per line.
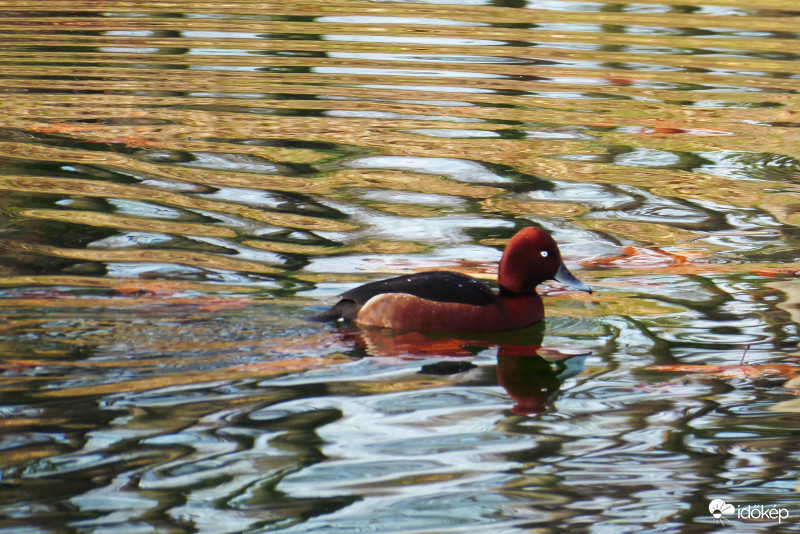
(439, 286)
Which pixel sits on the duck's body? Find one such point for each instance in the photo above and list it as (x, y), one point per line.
(453, 302)
(436, 300)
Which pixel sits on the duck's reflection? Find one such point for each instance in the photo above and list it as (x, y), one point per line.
(531, 374)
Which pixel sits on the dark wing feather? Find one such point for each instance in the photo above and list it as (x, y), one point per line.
(440, 286)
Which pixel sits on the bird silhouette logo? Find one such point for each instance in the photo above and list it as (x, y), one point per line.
(719, 509)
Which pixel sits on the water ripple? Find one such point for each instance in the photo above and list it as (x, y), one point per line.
(183, 184)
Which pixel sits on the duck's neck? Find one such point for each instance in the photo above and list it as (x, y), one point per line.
(505, 293)
(514, 281)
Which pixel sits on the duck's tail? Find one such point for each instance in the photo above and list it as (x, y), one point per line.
(344, 310)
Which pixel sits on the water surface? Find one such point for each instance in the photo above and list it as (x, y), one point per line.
(183, 183)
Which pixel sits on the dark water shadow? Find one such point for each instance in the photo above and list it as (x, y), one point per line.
(530, 373)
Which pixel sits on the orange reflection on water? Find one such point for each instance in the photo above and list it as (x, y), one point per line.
(530, 374)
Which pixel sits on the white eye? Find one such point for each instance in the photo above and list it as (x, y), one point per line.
(544, 254)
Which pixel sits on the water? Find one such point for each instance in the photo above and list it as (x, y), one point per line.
(183, 183)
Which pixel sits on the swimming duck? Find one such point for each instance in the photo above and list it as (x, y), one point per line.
(446, 301)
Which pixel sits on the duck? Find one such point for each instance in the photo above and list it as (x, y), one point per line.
(446, 301)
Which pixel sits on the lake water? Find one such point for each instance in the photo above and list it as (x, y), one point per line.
(183, 183)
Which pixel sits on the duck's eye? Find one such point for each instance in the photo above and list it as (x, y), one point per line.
(544, 254)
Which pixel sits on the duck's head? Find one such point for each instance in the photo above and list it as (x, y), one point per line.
(530, 258)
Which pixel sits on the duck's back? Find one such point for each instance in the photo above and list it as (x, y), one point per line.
(436, 286)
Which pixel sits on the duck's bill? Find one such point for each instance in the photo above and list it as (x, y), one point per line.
(567, 278)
